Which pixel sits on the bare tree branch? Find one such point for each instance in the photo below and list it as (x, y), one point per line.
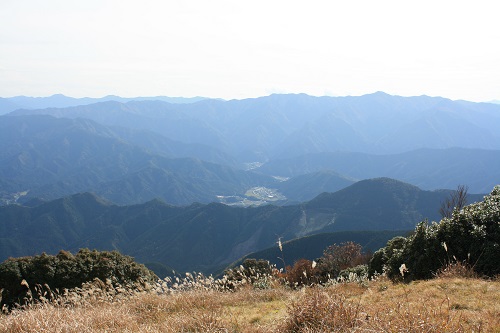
(457, 200)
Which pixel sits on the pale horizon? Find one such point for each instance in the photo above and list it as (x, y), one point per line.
(237, 50)
(250, 97)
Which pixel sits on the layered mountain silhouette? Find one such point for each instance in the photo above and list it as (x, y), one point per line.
(51, 157)
(60, 101)
(281, 126)
(426, 168)
(134, 151)
(307, 186)
(157, 169)
(208, 237)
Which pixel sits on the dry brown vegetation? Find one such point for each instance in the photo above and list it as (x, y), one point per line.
(444, 304)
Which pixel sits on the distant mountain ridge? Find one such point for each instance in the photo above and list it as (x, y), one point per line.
(10, 104)
(284, 126)
(51, 158)
(307, 186)
(352, 137)
(207, 237)
(429, 169)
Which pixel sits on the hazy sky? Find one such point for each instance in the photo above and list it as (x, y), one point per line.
(239, 49)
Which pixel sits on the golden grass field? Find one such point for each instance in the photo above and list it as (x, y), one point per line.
(446, 304)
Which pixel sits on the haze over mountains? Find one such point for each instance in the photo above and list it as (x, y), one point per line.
(52, 157)
(142, 149)
(60, 101)
(326, 164)
(280, 126)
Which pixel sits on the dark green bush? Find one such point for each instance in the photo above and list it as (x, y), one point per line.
(359, 271)
(470, 236)
(422, 254)
(473, 234)
(66, 271)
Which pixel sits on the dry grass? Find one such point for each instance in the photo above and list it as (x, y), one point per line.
(456, 269)
(321, 311)
(438, 305)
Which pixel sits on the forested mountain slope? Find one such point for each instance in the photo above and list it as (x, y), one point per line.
(205, 237)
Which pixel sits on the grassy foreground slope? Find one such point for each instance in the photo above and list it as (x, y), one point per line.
(438, 305)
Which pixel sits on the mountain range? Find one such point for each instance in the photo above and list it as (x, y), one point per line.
(197, 184)
(60, 101)
(208, 237)
(282, 126)
(293, 146)
(47, 158)
(52, 158)
(426, 168)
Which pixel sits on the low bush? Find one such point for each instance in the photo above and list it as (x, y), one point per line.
(359, 272)
(21, 277)
(303, 273)
(471, 236)
(257, 272)
(339, 257)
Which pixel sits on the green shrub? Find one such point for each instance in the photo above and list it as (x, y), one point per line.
(359, 272)
(422, 254)
(20, 276)
(471, 236)
(380, 259)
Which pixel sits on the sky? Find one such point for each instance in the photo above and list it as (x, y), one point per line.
(242, 49)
